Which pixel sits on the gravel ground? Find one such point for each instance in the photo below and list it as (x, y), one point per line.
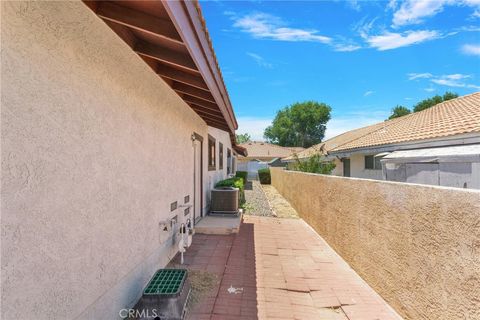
(256, 202)
(280, 206)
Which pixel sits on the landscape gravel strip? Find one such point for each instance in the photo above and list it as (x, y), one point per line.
(256, 202)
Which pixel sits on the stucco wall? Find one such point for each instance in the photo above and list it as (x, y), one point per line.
(418, 246)
(95, 147)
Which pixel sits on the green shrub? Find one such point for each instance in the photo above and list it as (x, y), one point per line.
(314, 164)
(235, 182)
(243, 175)
(264, 176)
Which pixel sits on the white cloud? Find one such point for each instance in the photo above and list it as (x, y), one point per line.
(392, 5)
(456, 76)
(259, 60)
(253, 126)
(415, 11)
(366, 94)
(266, 26)
(346, 47)
(471, 49)
(353, 4)
(413, 76)
(455, 80)
(391, 40)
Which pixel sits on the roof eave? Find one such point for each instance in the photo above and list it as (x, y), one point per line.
(186, 17)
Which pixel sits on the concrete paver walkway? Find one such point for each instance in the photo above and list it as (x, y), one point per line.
(280, 269)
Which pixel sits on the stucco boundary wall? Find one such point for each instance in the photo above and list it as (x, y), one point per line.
(418, 246)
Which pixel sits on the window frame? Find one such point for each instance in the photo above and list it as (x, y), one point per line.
(212, 153)
(229, 161)
(368, 162)
(220, 156)
(376, 164)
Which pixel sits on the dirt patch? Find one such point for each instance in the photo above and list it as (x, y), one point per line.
(202, 283)
(281, 208)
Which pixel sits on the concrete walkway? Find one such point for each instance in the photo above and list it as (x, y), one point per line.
(279, 269)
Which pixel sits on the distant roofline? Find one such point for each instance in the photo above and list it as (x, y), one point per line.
(338, 149)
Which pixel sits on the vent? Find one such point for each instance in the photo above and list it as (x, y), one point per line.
(166, 281)
(165, 296)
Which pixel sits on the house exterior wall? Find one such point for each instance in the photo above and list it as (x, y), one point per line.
(95, 147)
(416, 245)
(219, 174)
(357, 168)
(338, 170)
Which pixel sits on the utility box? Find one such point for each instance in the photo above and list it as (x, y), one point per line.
(165, 297)
(224, 201)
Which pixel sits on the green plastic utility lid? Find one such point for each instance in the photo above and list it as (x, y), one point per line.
(166, 282)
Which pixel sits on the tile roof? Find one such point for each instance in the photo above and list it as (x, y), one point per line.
(449, 118)
(260, 149)
(336, 141)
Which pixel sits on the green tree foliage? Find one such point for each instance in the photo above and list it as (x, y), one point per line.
(314, 164)
(301, 124)
(427, 103)
(242, 138)
(399, 111)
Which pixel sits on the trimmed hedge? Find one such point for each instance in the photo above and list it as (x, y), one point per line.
(264, 176)
(243, 175)
(235, 182)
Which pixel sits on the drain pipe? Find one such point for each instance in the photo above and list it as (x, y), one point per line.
(181, 243)
(186, 232)
(190, 232)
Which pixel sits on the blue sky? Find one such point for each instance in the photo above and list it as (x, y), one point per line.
(360, 57)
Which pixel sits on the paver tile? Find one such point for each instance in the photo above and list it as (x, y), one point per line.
(279, 269)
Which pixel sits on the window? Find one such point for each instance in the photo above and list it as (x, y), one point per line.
(220, 156)
(378, 164)
(346, 167)
(229, 161)
(373, 163)
(369, 162)
(211, 154)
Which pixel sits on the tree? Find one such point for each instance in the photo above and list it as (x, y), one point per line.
(314, 164)
(399, 111)
(301, 124)
(427, 103)
(242, 138)
(449, 95)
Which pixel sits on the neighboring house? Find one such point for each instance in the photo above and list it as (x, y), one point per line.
(115, 122)
(262, 155)
(435, 136)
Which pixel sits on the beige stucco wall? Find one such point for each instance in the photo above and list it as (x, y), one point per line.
(418, 246)
(94, 149)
